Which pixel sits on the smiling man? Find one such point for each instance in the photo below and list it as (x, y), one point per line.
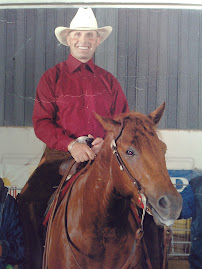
(69, 93)
(67, 97)
(83, 44)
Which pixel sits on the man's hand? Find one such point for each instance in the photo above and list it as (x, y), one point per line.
(82, 152)
(96, 144)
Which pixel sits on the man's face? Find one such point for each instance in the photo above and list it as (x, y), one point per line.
(83, 44)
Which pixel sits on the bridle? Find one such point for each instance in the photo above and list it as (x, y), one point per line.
(142, 200)
(122, 165)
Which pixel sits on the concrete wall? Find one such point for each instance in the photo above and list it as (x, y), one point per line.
(20, 152)
(184, 149)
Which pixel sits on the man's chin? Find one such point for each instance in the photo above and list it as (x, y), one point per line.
(83, 56)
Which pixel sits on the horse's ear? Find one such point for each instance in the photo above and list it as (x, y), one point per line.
(156, 115)
(107, 123)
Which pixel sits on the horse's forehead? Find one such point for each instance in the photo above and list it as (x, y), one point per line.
(139, 124)
(141, 132)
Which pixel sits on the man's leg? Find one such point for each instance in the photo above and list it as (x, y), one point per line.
(32, 203)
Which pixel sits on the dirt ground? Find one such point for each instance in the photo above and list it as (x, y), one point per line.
(178, 263)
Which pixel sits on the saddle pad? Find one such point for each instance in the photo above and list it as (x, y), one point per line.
(61, 196)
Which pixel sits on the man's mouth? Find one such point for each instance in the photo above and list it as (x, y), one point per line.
(83, 48)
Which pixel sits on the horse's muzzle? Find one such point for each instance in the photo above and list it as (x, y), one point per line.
(167, 209)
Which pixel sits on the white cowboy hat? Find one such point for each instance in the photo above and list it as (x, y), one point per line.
(83, 20)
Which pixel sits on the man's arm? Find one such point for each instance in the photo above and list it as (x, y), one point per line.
(188, 206)
(44, 113)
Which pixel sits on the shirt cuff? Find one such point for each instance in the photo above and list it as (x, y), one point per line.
(71, 144)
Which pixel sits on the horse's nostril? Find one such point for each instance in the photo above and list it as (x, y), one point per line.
(163, 202)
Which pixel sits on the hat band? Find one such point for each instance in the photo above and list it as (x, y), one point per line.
(80, 28)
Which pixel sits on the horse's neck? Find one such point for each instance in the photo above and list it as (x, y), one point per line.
(95, 205)
(100, 191)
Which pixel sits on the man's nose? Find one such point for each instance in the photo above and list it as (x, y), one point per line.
(83, 38)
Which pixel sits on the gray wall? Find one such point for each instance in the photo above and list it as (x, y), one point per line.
(155, 54)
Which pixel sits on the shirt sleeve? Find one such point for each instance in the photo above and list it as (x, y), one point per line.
(44, 115)
(12, 245)
(188, 206)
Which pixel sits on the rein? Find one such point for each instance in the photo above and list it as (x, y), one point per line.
(139, 233)
(66, 176)
(66, 230)
(53, 209)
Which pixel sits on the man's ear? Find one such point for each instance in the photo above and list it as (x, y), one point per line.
(98, 40)
(67, 38)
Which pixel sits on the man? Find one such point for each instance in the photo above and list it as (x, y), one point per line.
(192, 208)
(68, 96)
(11, 236)
(70, 93)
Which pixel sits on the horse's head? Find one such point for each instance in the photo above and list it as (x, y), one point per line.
(138, 146)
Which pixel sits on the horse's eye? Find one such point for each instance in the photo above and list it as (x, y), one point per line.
(130, 152)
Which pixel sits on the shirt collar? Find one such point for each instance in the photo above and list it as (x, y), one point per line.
(73, 64)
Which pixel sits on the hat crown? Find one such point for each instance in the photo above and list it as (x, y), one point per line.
(84, 18)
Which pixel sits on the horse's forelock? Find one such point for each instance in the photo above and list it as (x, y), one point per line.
(141, 127)
(140, 123)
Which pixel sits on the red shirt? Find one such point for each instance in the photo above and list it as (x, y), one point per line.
(67, 96)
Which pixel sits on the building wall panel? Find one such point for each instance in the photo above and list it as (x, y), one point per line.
(156, 54)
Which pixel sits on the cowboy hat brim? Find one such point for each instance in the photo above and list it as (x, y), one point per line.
(62, 32)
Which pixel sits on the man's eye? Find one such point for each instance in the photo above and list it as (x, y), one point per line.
(130, 152)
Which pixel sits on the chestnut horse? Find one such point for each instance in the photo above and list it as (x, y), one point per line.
(94, 227)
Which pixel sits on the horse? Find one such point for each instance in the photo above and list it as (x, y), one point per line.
(94, 225)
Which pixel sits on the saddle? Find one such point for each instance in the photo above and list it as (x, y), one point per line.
(76, 168)
(52, 154)
(64, 166)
